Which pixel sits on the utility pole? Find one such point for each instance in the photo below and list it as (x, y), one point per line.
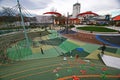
(23, 24)
(67, 23)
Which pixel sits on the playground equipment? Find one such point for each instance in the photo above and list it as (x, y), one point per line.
(110, 61)
(13, 46)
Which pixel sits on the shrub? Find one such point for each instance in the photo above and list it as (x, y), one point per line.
(71, 26)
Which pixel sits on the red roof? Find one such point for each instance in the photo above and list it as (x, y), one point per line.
(55, 13)
(88, 12)
(116, 18)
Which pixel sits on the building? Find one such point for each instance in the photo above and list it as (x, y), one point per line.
(74, 21)
(84, 17)
(42, 20)
(99, 20)
(116, 20)
(73, 18)
(76, 10)
(56, 17)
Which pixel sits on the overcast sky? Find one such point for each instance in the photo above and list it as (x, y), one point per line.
(63, 6)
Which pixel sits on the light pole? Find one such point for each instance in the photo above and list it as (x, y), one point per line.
(23, 24)
(67, 23)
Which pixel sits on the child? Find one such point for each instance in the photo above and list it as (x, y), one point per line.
(42, 51)
(103, 48)
(76, 57)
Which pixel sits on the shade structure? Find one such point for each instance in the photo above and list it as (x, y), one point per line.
(116, 18)
(55, 13)
(88, 12)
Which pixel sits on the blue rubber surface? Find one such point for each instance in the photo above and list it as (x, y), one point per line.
(98, 37)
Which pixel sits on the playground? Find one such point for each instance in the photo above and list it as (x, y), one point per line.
(28, 63)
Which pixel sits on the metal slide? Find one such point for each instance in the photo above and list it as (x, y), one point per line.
(111, 61)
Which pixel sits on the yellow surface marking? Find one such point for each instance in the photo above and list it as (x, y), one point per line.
(112, 54)
(37, 50)
(45, 46)
(94, 55)
(36, 30)
(77, 42)
(37, 39)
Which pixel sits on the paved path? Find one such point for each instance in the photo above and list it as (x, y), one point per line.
(111, 39)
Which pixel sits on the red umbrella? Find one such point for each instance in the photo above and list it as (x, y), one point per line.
(55, 13)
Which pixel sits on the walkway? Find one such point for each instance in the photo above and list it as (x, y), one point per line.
(111, 39)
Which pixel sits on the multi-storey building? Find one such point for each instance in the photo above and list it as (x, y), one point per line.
(76, 10)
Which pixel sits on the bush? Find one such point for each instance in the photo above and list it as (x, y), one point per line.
(71, 26)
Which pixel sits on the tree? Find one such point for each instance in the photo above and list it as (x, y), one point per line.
(7, 15)
(8, 11)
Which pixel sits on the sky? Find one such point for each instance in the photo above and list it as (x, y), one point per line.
(38, 7)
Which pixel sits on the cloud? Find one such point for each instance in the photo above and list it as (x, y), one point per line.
(35, 4)
(112, 12)
(28, 4)
(63, 6)
(95, 5)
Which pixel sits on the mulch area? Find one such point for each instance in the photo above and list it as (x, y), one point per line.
(85, 37)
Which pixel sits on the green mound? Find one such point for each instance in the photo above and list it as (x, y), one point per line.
(96, 29)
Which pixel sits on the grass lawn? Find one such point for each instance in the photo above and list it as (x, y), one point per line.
(96, 29)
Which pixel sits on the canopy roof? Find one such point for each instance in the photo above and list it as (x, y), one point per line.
(55, 13)
(88, 12)
(116, 18)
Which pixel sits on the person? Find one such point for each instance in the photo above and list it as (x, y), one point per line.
(64, 58)
(70, 54)
(76, 57)
(103, 48)
(42, 51)
(40, 34)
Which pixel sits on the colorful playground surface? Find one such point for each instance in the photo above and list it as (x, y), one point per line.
(58, 61)
(56, 68)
